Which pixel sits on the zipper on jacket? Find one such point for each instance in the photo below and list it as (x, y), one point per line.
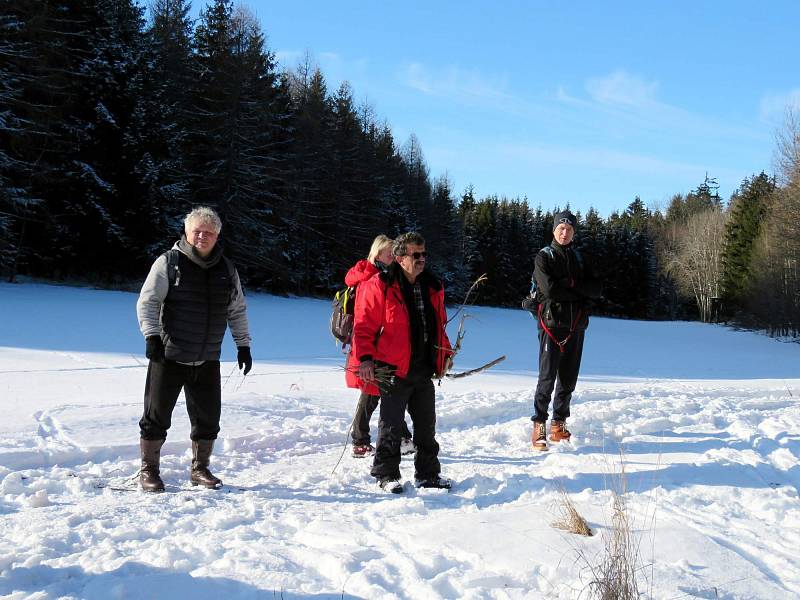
(567, 254)
(408, 321)
(208, 314)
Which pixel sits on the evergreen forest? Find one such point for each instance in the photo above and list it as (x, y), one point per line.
(115, 120)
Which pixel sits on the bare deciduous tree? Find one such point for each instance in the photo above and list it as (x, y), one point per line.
(787, 151)
(696, 263)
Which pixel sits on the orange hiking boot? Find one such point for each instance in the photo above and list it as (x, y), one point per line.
(559, 431)
(539, 437)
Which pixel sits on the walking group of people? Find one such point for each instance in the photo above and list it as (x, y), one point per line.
(399, 345)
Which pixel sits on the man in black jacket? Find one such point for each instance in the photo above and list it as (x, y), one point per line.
(190, 296)
(565, 287)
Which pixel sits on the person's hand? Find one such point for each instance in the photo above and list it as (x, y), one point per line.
(244, 359)
(366, 371)
(155, 348)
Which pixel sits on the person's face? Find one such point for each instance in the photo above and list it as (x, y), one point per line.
(202, 236)
(385, 255)
(564, 233)
(411, 264)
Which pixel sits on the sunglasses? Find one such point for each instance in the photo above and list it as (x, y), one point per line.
(565, 220)
(417, 255)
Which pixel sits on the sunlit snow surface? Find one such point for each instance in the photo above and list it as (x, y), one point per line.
(707, 419)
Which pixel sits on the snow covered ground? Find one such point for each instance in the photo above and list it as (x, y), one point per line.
(708, 420)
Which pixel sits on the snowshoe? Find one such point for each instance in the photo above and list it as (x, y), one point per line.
(435, 482)
(391, 485)
(407, 446)
(363, 450)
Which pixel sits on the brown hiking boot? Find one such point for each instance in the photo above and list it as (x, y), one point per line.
(201, 452)
(558, 431)
(539, 437)
(149, 474)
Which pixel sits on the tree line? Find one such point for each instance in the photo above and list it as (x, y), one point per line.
(115, 120)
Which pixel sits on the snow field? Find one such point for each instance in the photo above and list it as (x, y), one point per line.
(711, 468)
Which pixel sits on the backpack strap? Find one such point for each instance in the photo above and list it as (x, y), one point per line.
(173, 271)
(578, 257)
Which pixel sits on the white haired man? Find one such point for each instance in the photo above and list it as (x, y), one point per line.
(190, 296)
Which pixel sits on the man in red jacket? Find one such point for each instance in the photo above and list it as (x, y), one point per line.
(399, 341)
(379, 259)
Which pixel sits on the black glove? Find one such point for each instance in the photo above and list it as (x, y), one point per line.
(530, 304)
(155, 348)
(244, 359)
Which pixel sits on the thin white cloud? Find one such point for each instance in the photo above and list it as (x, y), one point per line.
(455, 83)
(622, 88)
(288, 59)
(630, 104)
(330, 57)
(562, 95)
(774, 106)
(539, 156)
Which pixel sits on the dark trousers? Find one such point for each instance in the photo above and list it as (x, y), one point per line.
(360, 430)
(559, 369)
(416, 393)
(201, 386)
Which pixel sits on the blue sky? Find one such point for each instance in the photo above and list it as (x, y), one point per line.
(587, 103)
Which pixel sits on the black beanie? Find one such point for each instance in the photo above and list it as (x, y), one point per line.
(565, 217)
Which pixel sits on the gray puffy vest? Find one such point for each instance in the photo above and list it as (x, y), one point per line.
(195, 312)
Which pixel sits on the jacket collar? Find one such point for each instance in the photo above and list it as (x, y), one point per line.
(185, 248)
(394, 272)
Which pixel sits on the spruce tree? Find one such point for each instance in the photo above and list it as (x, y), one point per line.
(22, 126)
(311, 219)
(417, 186)
(444, 240)
(748, 210)
(164, 121)
(238, 139)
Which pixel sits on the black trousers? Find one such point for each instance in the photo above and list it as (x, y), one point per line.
(367, 404)
(559, 369)
(416, 393)
(201, 386)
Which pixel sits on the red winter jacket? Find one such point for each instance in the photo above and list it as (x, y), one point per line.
(382, 328)
(358, 273)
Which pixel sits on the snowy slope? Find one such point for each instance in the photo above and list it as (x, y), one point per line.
(707, 417)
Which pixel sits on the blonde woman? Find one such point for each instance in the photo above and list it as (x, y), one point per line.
(378, 260)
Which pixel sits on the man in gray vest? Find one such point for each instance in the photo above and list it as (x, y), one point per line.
(189, 297)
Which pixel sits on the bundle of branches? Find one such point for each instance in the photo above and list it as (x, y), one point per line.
(456, 347)
(384, 375)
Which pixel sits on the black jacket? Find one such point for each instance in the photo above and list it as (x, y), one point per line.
(566, 286)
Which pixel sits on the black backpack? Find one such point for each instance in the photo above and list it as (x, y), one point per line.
(342, 315)
(531, 301)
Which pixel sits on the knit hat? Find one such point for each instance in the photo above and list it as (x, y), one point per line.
(565, 217)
